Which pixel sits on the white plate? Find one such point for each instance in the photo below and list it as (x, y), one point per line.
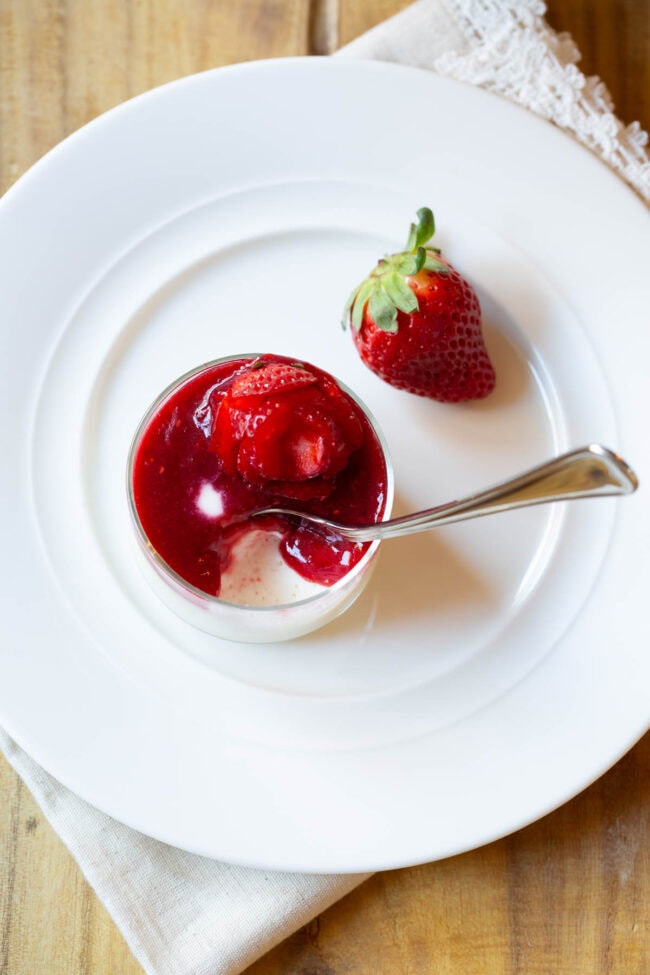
(492, 669)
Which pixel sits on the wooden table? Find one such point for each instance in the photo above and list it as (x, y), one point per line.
(569, 895)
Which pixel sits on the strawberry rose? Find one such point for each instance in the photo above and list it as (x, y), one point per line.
(284, 428)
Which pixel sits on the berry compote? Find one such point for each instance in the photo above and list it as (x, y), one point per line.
(247, 433)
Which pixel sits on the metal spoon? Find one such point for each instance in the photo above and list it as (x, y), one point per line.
(589, 472)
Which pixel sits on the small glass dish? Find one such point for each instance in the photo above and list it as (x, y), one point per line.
(238, 621)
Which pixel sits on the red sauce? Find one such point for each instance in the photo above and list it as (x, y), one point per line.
(180, 457)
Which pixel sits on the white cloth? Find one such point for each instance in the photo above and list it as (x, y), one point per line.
(187, 915)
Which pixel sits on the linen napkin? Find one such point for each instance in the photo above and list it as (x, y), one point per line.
(183, 914)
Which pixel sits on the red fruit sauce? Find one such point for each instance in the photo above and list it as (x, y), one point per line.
(244, 434)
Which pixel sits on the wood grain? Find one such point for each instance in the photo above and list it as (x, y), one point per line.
(566, 896)
(613, 37)
(62, 64)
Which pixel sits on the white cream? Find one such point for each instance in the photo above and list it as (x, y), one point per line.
(257, 575)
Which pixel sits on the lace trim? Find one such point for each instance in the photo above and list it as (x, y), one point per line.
(515, 53)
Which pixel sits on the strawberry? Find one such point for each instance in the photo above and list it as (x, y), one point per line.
(417, 323)
(285, 428)
(272, 377)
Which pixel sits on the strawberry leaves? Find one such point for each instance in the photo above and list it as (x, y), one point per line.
(382, 310)
(386, 291)
(399, 293)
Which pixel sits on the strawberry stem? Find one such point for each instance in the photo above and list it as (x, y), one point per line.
(421, 232)
(386, 291)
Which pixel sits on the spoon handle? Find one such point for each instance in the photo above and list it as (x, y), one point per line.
(592, 471)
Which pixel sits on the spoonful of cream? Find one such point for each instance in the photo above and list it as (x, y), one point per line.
(588, 472)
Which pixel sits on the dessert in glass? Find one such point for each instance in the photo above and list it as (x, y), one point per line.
(229, 439)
